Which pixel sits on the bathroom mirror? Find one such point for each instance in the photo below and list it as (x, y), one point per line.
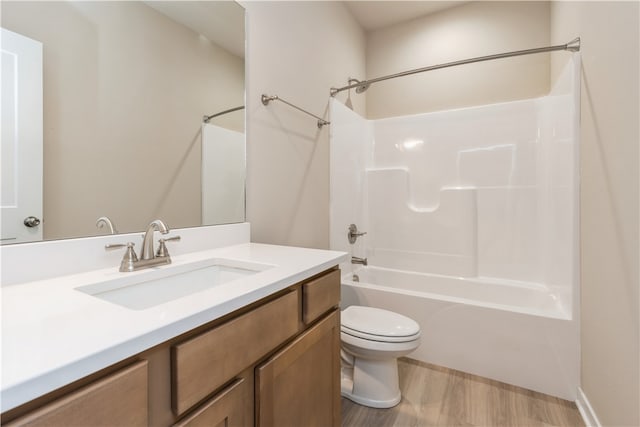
(125, 87)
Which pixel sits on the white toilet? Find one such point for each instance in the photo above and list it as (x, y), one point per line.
(372, 340)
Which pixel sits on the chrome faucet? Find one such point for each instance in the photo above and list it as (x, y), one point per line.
(356, 260)
(148, 257)
(147, 241)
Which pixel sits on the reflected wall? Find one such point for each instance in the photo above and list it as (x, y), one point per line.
(125, 90)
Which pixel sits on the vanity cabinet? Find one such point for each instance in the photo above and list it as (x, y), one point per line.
(204, 363)
(229, 408)
(272, 363)
(118, 399)
(300, 384)
(320, 295)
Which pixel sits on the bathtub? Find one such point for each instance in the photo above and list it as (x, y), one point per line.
(514, 332)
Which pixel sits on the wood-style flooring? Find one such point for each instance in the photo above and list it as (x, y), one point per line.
(436, 396)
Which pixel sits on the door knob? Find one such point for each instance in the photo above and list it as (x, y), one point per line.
(31, 221)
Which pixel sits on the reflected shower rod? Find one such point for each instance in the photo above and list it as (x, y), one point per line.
(230, 110)
(361, 86)
(266, 99)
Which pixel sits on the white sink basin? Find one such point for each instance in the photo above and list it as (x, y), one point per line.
(164, 284)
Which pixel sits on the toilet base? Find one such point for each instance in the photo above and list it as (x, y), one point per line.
(369, 353)
(380, 404)
(372, 383)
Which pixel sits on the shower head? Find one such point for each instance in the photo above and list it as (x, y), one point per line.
(360, 88)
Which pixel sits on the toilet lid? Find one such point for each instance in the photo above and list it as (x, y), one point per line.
(378, 322)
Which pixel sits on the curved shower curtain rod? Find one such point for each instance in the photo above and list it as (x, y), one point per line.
(361, 86)
(206, 119)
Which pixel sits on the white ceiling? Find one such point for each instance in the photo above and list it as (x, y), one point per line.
(373, 15)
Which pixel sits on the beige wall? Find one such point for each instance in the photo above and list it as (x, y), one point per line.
(296, 50)
(609, 200)
(125, 89)
(466, 31)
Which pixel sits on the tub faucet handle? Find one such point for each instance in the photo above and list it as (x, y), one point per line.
(353, 233)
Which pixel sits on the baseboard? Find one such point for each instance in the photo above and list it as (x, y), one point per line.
(586, 411)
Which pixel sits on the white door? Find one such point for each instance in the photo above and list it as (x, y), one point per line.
(21, 159)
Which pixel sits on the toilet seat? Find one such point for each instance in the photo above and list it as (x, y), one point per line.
(376, 324)
(380, 338)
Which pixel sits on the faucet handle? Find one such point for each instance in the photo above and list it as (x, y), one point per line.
(162, 248)
(353, 233)
(118, 245)
(129, 256)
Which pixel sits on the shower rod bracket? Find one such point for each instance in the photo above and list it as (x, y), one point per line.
(266, 99)
(573, 45)
(361, 86)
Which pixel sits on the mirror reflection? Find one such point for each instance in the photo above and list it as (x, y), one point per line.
(126, 85)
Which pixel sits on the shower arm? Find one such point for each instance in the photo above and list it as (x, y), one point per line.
(361, 86)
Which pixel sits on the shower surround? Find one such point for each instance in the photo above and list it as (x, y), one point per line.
(471, 221)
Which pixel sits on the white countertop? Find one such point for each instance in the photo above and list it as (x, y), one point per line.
(53, 334)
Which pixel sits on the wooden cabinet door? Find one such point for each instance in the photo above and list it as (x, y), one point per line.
(227, 409)
(300, 385)
(120, 399)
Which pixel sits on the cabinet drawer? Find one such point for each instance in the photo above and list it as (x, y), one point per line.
(226, 409)
(119, 399)
(320, 295)
(207, 361)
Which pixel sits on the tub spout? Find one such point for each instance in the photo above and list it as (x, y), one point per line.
(356, 260)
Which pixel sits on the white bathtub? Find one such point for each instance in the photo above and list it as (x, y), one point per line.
(518, 333)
